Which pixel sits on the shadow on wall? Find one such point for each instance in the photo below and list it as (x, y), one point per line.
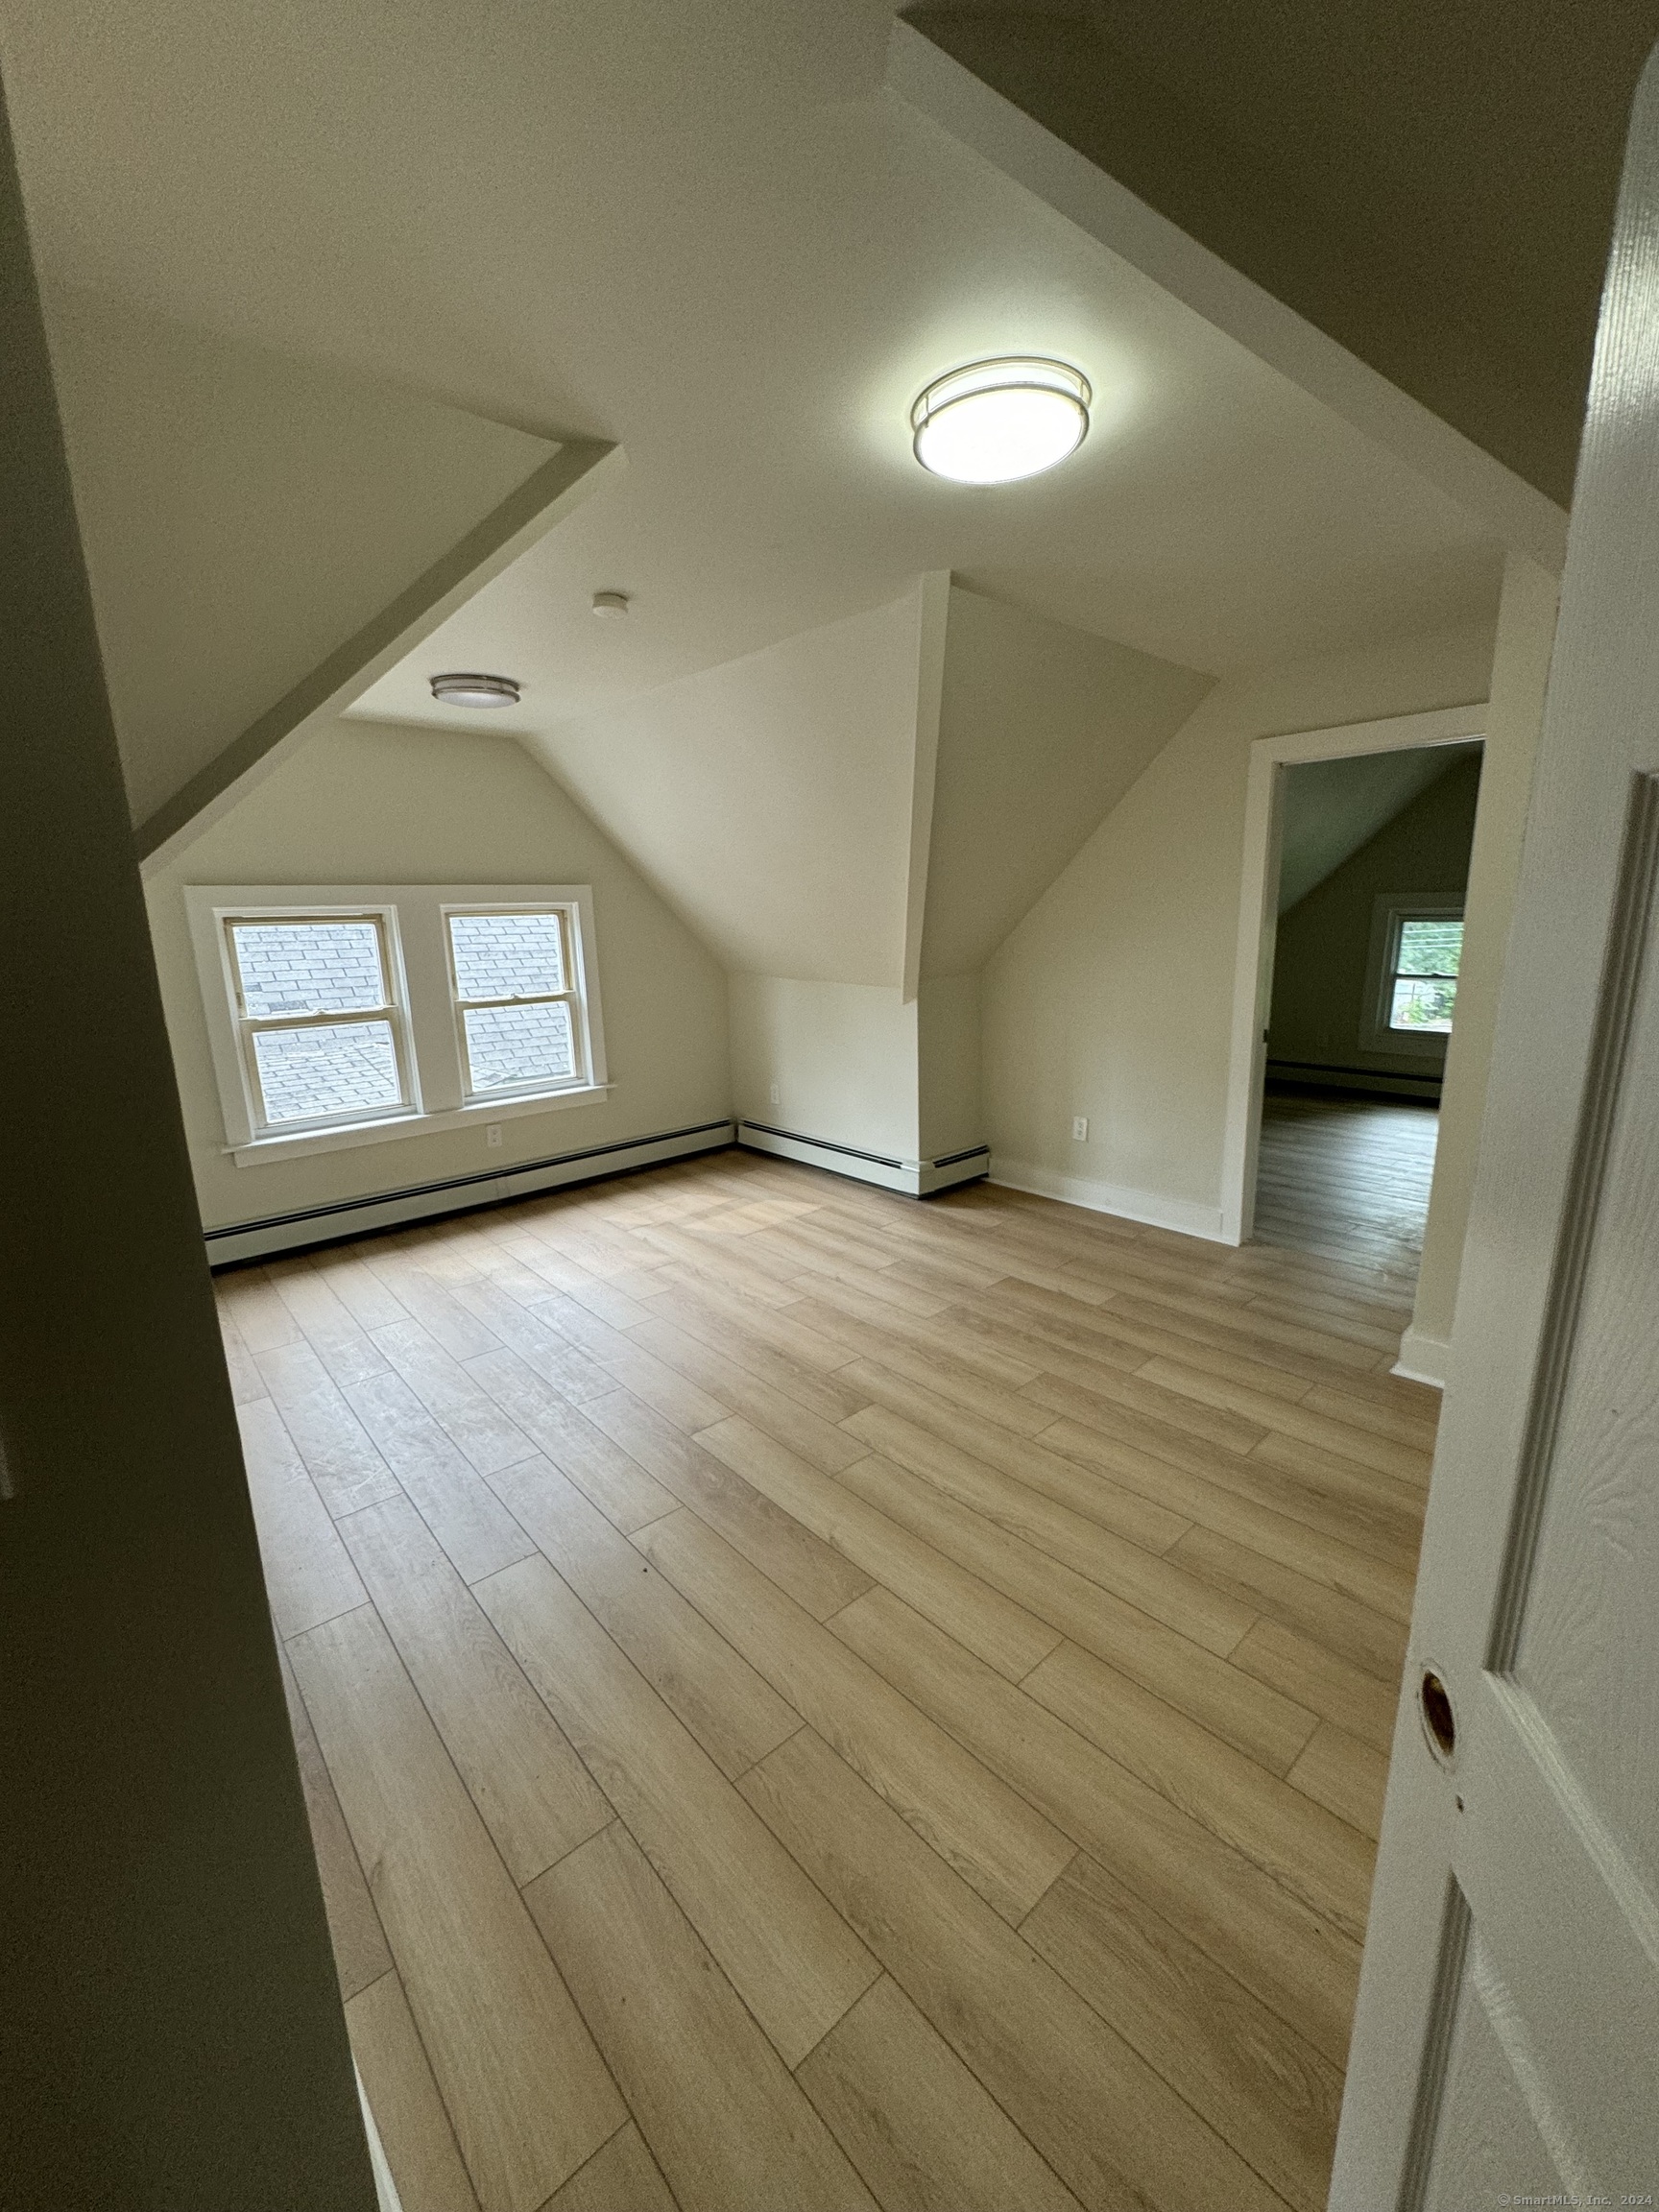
(1327, 1024)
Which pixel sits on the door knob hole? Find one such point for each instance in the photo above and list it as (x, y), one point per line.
(1438, 1719)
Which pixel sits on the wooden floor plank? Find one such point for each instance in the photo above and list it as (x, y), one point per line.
(339, 1456)
(1187, 1674)
(781, 1415)
(712, 1689)
(359, 1942)
(1319, 1858)
(814, 1574)
(992, 1837)
(454, 1501)
(419, 2144)
(602, 1471)
(794, 1961)
(1347, 1776)
(536, 1799)
(1090, 1545)
(1299, 1965)
(730, 2128)
(498, 2024)
(1108, 2125)
(920, 2129)
(989, 1624)
(1269, 2093)
(308, 1573)
(1320, 1681)
(622, 2176)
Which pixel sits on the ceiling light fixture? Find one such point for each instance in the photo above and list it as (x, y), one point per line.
(610, 605)
(996, 421)
(463, 690)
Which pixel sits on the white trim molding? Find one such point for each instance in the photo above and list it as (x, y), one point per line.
(1185, 1216)
(1423, 1359)
(1259, 919)
(336, 1222)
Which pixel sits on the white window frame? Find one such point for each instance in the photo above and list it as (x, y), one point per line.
(1390, 910)
(570, 995)
(394, 1011)
(415, 921)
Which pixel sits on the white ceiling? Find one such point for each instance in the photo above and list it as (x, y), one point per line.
(705, 230)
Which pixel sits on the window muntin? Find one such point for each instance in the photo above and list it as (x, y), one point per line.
(319, 1021)
(1421, 986)
(514, 975)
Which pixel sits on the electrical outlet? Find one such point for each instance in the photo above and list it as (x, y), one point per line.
(493, 1136)
(774, 1093)
(1080, 1128)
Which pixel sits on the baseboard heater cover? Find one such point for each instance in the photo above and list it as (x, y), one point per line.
(344, 1218)
(916, 1178)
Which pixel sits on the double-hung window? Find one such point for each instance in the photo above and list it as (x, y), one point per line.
(347, 1014)
(1417, 949)
(321, 1026)
(513, 980)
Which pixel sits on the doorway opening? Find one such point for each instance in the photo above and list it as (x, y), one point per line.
(1357, 862)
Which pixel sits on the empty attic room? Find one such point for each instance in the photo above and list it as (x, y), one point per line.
(825, 1382)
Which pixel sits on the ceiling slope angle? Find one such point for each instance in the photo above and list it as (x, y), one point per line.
(1332, 808)
(1042, 730)
(263, 535)
(1251, 186)
(769, 800)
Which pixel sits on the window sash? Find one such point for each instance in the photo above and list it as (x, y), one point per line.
(388, 1012)
(571, 997)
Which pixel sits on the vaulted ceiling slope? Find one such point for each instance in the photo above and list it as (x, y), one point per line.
(1333, 807)
(770, 799)
(1042, 730)
(1430, 186)
(244, 514)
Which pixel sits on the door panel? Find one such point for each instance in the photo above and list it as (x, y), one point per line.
(1507, 2044)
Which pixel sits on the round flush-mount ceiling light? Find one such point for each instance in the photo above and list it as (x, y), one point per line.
(464, 691)
(996, 421)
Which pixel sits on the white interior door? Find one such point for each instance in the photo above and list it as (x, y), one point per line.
(1506, 2047)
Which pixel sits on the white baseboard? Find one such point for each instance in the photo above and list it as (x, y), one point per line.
(362, 1216)
(915, 1178)
(1423, 1359)
(1180, 1215)
(386, 2196)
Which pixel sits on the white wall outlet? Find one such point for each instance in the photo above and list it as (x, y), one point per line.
(493, 1136)
(1080, 1128)
(774, 1093)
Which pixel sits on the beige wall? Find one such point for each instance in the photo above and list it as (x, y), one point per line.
(1519, 674)
(1322, 953)
(377, 804)
(842, 1056)
(1113, 999)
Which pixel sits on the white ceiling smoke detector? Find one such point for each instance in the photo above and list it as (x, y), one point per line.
(470, 690)
(997, 421)
(609, 606)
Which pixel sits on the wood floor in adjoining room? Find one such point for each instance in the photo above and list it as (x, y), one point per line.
(1347, 1177)
(810, 1698)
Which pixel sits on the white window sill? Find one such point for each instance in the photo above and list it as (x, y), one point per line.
(263, 1150)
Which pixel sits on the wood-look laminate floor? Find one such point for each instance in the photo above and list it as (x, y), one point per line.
(1347, 1177)
(814, 1699)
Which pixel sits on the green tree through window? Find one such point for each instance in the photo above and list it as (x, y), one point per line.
(1424, 985)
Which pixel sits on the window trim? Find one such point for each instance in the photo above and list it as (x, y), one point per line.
(416, 941)
(1389, 911)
